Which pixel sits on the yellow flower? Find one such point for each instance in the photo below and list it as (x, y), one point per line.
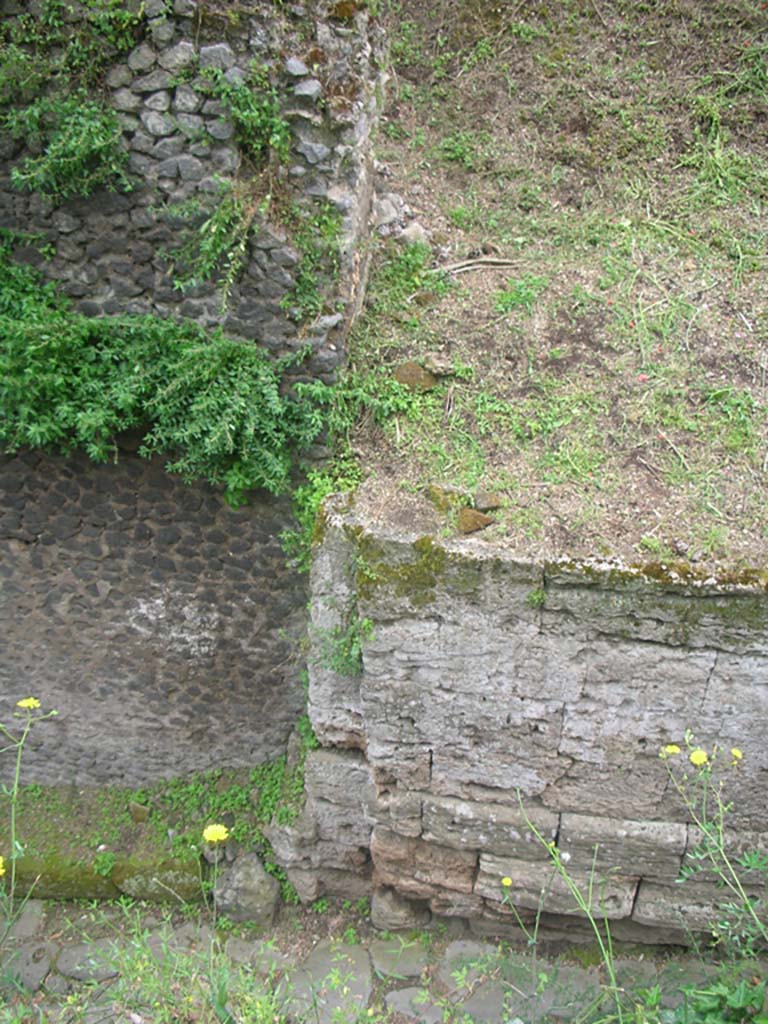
(698, 757)
(671, 749)
(736, 756)
(28, 703)
(2, 867)
(216, 834)
(506, 881)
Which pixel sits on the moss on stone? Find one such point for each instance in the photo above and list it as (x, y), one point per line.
(678, 574)
(417, 579)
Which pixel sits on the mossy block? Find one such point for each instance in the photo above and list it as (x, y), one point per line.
(414, 572)
(470, 520)
(172, 879)
(415, 377)
(61, 878)
(446, 499)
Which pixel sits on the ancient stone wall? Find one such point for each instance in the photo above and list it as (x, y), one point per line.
(110, 249)
(163, 625)
(492, 689)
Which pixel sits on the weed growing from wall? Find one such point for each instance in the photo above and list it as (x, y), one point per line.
(254, 107)
(217, 406)
(315, 234)
(340, 649)
(50, 70)
(218, 247)
(79, 142)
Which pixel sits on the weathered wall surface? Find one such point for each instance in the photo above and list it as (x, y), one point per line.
(110, 249)
(163, 625)
(471, 690)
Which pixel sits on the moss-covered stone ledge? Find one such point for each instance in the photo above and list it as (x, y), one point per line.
(483, 679)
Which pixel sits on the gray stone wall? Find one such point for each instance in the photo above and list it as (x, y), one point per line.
(163, 625)
(483, 677)
(109, 249)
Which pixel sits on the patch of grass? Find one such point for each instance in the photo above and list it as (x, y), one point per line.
(521, 294)
(611, 207)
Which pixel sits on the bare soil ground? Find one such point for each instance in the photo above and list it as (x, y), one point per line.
(592, 179)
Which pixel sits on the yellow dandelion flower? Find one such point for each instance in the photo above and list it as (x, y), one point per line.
(698, 757)
(29, 703)
(671, 749)
(2, 866)
(506, 881)
(216, 834)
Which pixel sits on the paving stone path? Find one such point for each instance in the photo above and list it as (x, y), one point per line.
(378, 976)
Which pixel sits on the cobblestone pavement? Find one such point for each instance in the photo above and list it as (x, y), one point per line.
(70, 965)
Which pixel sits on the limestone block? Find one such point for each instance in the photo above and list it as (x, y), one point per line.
(334, 698)
(341, 796)
(456, 904)
(538, 884)
(639, 609)
(691, 906)
(245, 892)
(464, 824)
(392, 912)
(606, 778)
(646, 849)
(420, 869)
(401, 811)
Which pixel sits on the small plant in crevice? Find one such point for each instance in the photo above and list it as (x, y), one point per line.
(340, 648)
(253, 105)
(315, 232)
(343, 474)
(537, 598)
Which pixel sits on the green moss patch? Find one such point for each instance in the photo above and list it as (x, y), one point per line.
(103, 842)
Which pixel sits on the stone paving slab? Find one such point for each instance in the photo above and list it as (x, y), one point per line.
(333, 983)
(398, 957)
(88, 961)
(410, 1003)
